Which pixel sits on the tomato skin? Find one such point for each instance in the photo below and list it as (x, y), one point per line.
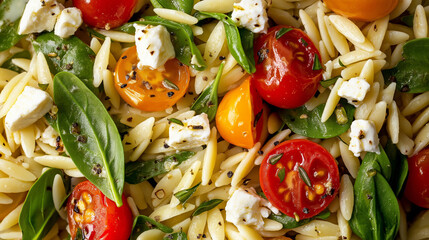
(106, 14)
(147, 91)
(284, 74)
(292, 196)
(417, 187)
(363, 10)
(237, 113)
(110, 222)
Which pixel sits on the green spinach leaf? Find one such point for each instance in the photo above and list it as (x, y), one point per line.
(182, 39)
(376, 210)
(143, 223)
(9, 65)
(176, 236)
(10, 14)
(139, 171)
(290, 222)
(399, 167)
(69, 55)
(89, 135)
(412, 73)
(180, 5)
(38, 213)
(240, 41)
(309, 123)
(206, 206)
(207, 102)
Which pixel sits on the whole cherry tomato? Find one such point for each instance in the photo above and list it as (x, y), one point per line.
(288, 67)
(417, 187)
(150, 89)
(363, 10)
(241, 116)
(105, 13)
(93, 215)
(300, 178)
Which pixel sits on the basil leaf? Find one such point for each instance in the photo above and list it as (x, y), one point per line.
(412, 73)
(207, 102)
(139, 171)
(309, 123)
(376, 210)
(69, 55)
(180, 5)
(143, 223)
(10, 14)
(182, 39)
(281, 174)
(38, 213)
(290, 222)
(206, 206)
(329, 82)
(185, 194)
(275, 158)
(240, 42)
(399, 164)
(282, 32)
(176, 236)
(89, 135)
(9, 65)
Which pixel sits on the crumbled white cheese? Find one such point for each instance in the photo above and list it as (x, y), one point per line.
(154, 46)
(363, 137)
(194, 132)
(39, 16)
(68, 22)
(49, 136)
(30, 106)
(251, 14)
(354, 90)
(246, 207)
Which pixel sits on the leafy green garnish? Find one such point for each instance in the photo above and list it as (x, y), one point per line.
(170, 85)
(206, 206)
(329, 82)
(282, 32)
(176, 236)
(90, 135)
(180, 5)
(176, 121)
(9, 65)
(275, 158)
(316, 64)
(207, 102)
(341, 63)
(43, 86)
(281, 174)
(10, 14)
(185, 194)
(304, 176)
(290, 222)
(412, 73)
(143, 223)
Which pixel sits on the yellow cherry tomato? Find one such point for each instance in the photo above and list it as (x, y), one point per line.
(241, 116)
(362, 10)
(150, 89)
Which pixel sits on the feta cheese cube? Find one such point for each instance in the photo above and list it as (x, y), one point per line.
(246, 207)
(154, 46)
(251, 14)
(354, 90)
(194, 132)
(363, 137)
(68, 22)
(30, 106)
(39, 16)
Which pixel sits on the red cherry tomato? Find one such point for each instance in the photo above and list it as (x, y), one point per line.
(417, 188)
(105, 13)
(96, 216)
(363, 10)
(241, 116)
(284, 74)
(300, 178)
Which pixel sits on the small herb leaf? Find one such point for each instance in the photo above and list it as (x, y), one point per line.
(176, 236)
(185, 194)
(341, 63)
(275, 158)
(316, 64)
(304, 176)
(281, 174)
(170, 85)
(329, 82)
(176, 121)
(305, 43)
(143, 223)
(43, 86)
(206, 206)
(282, 32)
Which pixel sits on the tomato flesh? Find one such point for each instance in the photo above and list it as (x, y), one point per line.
(283, 182)
(96, 216)
(241, 116)
(417, 187)
(363, 10)
(150, 89)
(105, 13)
(284, 74)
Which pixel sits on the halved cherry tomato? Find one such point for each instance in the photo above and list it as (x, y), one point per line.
(363, 10)
(241, 116)
(300, 178)
(417, 187)
(284, 74)
(96, 216)
(150, 89)
(105, 13)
